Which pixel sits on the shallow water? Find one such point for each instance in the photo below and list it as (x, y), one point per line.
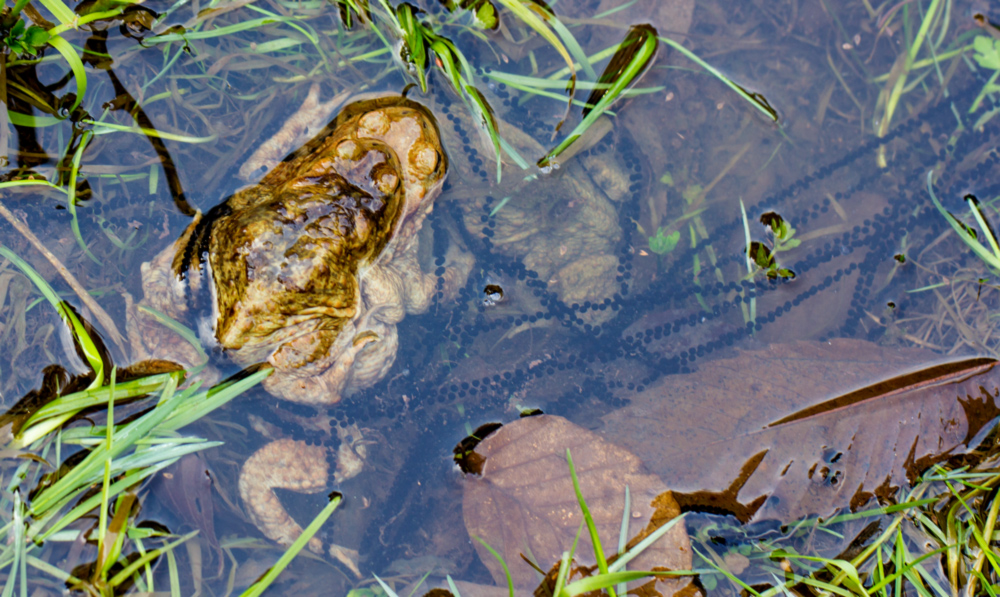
(592, 320)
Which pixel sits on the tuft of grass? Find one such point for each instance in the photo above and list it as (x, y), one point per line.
(116, 458)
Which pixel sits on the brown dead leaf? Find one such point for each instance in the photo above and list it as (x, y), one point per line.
(697, 430)
(524, 501)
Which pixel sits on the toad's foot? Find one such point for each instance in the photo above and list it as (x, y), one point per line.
(288, 464)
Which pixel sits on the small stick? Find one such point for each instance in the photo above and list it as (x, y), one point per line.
(100, 314)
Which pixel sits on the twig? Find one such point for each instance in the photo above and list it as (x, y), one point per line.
(100, 314)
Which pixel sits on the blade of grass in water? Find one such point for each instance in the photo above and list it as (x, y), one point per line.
(31, 120)
(638, 548)
(90, 351)
(982, 252)
(608, 580)
(641, 54)
(526, 11)
(89, 398)
(109, 127)
(71, 195)
(758, 101)
(623, 534)
(146, 558)
(595, 539)
(506, 570)
(621, 62)
(75, 65)
(102, 547)
(258, 588)
(31, 182)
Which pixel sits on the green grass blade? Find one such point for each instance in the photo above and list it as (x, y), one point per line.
(607, 580)
(451, 585)
(602, 563)
(506, 570)
(982, 225)
(630, 72)
(213, 398)
(30, 182)
(73, 60)
(573, 46)
(388, 590)
(258, 588)
(757, 100)
(79, 331)
(639, 547)
(60, 11)
(623, 533)
(175, 578)
(563, 569)
(138, 130)
(486, 120)
(525, 11)
(146, 558)
(971, 242)
(32, 120)
(71, 195)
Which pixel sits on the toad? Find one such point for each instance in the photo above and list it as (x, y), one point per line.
(309, 271)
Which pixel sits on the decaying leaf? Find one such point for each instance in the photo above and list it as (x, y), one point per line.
(832, 431)
(524, 503)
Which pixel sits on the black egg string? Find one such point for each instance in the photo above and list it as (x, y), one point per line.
(879, 234)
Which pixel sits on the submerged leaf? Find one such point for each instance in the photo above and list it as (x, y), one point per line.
(846, 424)
(524, 502)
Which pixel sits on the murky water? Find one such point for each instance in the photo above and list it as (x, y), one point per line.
(612, 291)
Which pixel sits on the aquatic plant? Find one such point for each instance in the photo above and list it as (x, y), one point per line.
(99, 467)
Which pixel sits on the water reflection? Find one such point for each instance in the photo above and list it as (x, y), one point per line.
(614, 291)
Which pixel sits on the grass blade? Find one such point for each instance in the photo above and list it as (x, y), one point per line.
(73, 60)
(641, 58)
(960, 230)
(258, 588)
(602, 563)
(506, 570)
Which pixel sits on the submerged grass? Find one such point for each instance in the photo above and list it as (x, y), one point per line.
(50, 492)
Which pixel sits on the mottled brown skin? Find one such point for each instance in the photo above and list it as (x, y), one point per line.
(310, 270)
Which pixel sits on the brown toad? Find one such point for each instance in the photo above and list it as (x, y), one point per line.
(309, 271)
